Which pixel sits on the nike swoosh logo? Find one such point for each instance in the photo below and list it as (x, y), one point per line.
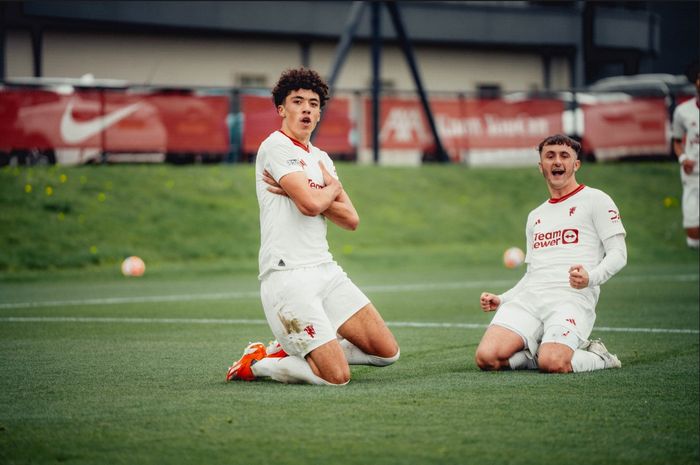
(74, 132)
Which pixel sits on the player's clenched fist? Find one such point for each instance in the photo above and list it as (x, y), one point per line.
(489, 302)
(578, 277)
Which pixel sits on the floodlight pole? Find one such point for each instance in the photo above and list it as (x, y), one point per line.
(376, 75)
(393, 8)
(342, 51)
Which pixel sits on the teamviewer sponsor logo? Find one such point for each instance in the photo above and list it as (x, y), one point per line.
(569, 236)
(554, 238)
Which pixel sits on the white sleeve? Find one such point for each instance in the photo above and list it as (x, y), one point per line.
(606, 217)
(615, 259)
(678, 131)
(282, 160)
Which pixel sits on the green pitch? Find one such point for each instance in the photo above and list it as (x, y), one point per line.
(98, 368)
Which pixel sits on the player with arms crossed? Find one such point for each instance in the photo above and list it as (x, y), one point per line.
(321, 320)
(685, 126)
(575, 243)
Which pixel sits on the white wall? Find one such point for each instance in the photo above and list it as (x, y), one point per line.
(220, 61)
(18, 53)
(167, 60)
(441, 69)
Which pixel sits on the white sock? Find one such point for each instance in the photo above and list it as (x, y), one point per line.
(692, 243)
(586, 361)
(522, 361)
(355, 356)
(290, 369)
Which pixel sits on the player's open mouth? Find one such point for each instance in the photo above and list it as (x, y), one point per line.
(558, 172)
(306, 120)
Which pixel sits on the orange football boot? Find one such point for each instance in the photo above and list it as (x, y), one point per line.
(241, 369)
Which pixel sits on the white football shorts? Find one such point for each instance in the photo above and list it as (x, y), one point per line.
(305, 307)
(550, 316)
(691, 216)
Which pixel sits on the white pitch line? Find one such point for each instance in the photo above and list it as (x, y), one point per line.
(413, 287)
(133, 300)
(223, 321)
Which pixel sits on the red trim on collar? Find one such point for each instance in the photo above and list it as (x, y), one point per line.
(561, 199)
(296, 142)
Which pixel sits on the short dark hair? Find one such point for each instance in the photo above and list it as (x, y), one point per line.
(561, 139)
(295, 79)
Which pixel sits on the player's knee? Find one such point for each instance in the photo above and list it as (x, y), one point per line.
(486, 361)
(554, 364)
(337, 379)
(337, 375)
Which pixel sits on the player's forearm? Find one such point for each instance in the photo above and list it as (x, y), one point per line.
(342, 212)
(678, 147)
(326, 197)
(318, 200)
(343, 215)
(615, 259)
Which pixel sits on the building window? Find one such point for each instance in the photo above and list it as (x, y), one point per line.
(386, 86)
(488, 90)
(251, 80)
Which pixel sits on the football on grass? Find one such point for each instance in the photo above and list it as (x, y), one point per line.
(133, 266)
(513, 257)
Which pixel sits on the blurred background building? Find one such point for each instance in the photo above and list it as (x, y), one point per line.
(486, 47)
(185, 80)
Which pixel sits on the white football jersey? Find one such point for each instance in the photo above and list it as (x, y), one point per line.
(568, 231)
(289, 239)
(685, 124)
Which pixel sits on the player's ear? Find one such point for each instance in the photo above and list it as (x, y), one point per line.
(280, 111)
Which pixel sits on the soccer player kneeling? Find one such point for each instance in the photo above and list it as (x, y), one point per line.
(575, 243)
(322, 321)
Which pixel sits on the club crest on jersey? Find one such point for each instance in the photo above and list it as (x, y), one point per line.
(571, 211)
(310, 331)
(554, 238)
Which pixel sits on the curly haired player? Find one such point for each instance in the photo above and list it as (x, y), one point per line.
(322, 321)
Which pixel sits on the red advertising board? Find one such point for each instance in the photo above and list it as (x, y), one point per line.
(261, 119)
(636, 126)
(486, 131)
(114, 121)
(466, 124)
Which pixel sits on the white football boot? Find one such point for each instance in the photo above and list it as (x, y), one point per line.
(597, 347)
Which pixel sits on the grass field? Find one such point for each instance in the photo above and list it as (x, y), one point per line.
(97, 368)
